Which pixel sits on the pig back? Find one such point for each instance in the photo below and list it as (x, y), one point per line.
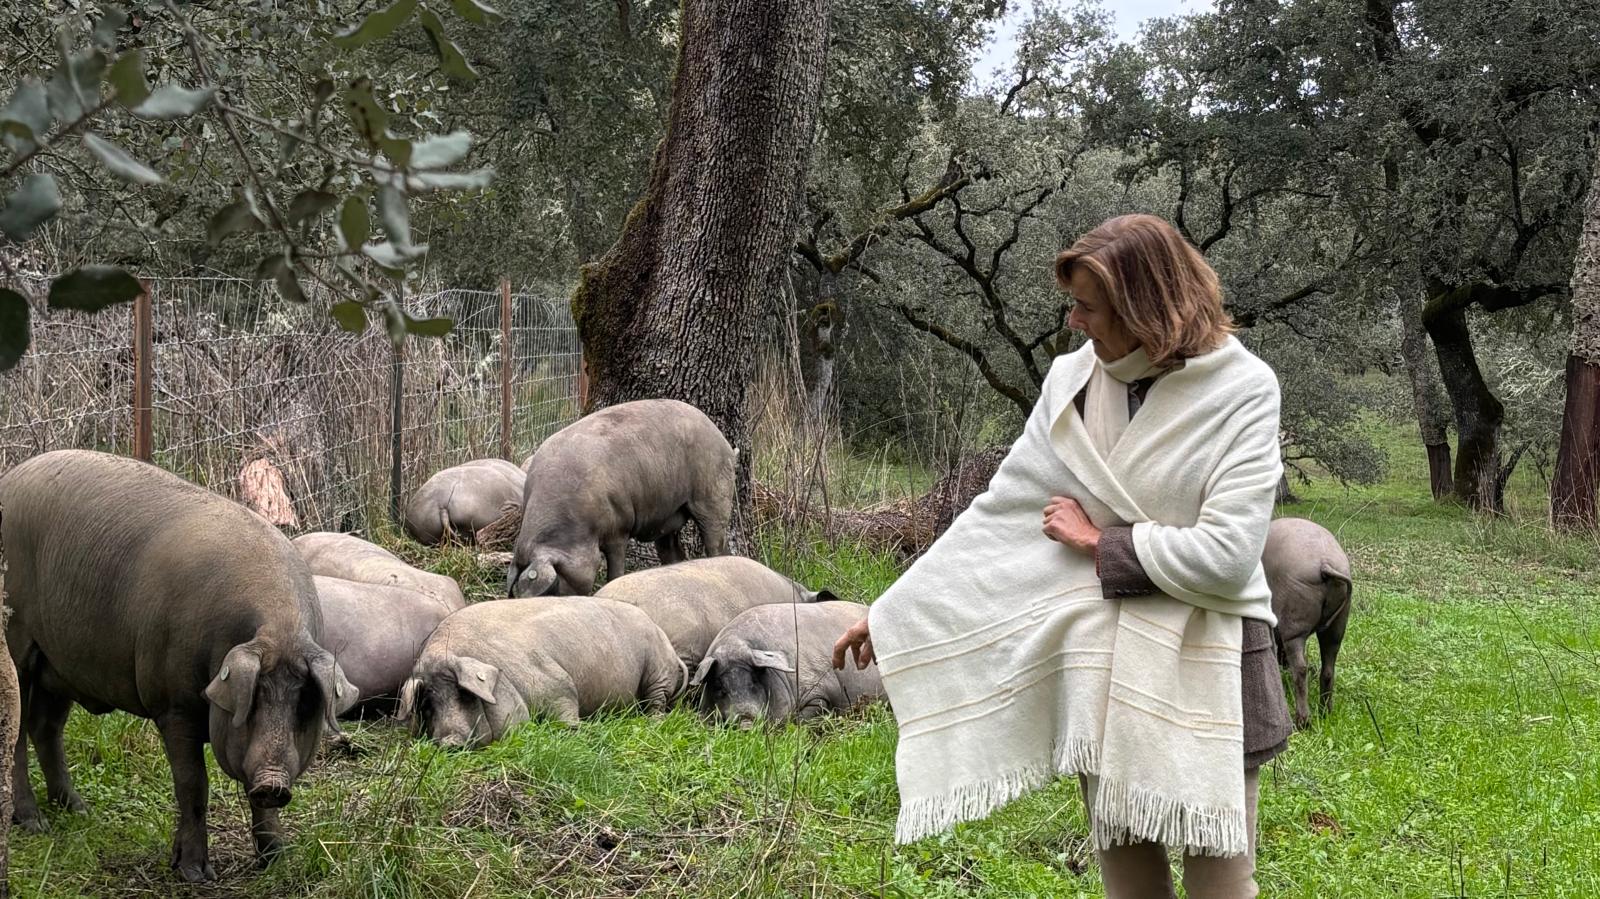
(375, 633)
(692, 601)
(135, 583)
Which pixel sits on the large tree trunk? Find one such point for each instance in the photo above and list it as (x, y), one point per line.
(1572, 490)
(674, 309)
(1478, 412)
(1426, 398)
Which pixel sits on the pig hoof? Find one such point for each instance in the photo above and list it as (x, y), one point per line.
(197, 873)
(30, 821)
(72, 802)
(1302, 722)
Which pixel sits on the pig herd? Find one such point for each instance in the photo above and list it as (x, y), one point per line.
(131, 589)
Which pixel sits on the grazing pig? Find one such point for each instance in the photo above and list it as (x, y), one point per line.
(1310, 579)
(692, 601)
(376, 633)
(496, 664)
(635, 470)
(775, 663)
(132, 589)
(353, 559)
(462, 499)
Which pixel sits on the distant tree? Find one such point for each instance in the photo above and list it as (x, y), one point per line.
(1572, 493)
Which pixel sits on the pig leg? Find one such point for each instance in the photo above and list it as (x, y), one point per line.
(1297, 665)
(669, 549)
(268, 834)
(24, 807)
(185, 746)
(47, 724)
(1328, 642)
(616, 559)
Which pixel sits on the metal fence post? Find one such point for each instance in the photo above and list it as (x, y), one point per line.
(143, 374)
(397, 417)
(507, 357)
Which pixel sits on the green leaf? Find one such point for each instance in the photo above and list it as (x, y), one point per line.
(14, 327)
(267, 269)
(395, 216)
(310, 204)
(289, 285)
(26, 117)
(289, 143)
(425, 181)
(119, 161)
(355, 223)
(91, 288)
(395, 321)
(127, 79)
(75, 86)
(474, 12)
(174, 101)
(105, 30)
(233, 218)
(378, 25)
(398, 149)
(429, 327)
(37, 201)
(391, 257)
(441, 150)
(350, 315)
(451, 60)
(367, 118)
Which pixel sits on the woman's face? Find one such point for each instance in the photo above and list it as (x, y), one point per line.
(1092, 314)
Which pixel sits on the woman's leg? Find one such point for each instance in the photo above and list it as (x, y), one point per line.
(1133, 870)
(1234, 877)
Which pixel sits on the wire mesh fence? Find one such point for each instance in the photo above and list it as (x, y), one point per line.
(274, 405)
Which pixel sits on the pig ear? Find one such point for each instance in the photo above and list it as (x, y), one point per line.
(477, 678)
(338, 694)
(765, 658)
(703, 672)
(408, 698)
(234, 687)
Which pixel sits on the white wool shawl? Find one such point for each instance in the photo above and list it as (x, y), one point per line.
(1005, 665)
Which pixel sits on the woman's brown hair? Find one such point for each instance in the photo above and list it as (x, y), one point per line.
(1164, 291)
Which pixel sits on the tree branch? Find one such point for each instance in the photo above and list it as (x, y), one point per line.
(971, 351)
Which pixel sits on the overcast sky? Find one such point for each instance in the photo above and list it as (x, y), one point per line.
(1128, 14)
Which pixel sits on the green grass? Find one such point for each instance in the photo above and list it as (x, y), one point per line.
(1460, 761)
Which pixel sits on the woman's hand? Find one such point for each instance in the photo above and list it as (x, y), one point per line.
(860, 640)
(1065, 522)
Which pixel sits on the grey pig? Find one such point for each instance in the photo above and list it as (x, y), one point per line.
(376, 633)
(350, 558)
(635, 470)
(692, 601)
(497, 664)
(775, 663)
(1309, 575)
(462, 499)
(132, 589)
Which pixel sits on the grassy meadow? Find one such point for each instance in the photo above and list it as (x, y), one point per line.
(1460, 761)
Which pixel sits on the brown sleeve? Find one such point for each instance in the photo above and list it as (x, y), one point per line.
(1121, 573)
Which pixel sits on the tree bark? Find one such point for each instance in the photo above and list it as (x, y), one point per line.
(1478, 413)
(1432, 418)
(674, 308)
(1573, 489)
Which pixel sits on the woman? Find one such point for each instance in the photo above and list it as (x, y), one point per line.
(1133, 646)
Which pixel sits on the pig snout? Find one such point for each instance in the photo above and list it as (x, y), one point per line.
(270, 788)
